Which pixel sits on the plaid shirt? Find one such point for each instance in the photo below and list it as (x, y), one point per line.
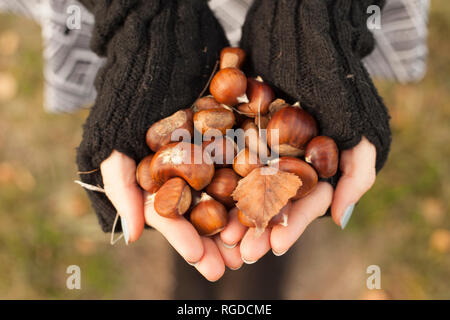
(70, 66)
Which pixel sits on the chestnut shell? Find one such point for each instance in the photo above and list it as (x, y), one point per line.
(229, 86)
(222, 185)
(296, 128)
(322, 152)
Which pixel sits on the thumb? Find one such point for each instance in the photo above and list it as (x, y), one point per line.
(358, 176)
(119, 179)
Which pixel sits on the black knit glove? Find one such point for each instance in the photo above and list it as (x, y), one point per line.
(311, 50)
(160, 55)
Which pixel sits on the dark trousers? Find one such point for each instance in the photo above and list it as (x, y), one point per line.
(262, 280)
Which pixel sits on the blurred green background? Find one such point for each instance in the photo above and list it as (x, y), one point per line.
(46, 224)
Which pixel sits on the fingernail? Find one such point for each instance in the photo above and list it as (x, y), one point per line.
(248, 262)
(229, 246)
(192, 263)
(234, 269)
(279, 254)
(126, 233)
(347, 215)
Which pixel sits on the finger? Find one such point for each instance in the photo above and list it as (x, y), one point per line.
(358, 176)
(302, 213)
(211, 265)
(231, 256)
(178, 231)
(119, 179)
(254, 247)
(234, 231)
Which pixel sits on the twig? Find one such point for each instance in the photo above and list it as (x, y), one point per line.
(209, 81)
(87, 172)
(90, 187)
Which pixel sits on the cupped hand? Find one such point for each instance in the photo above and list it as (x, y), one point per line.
(136, 209)
(358, 175)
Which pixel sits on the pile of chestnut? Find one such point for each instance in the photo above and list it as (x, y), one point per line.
(201, 154)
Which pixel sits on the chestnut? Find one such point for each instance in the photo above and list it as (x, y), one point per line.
(232, 58)
(160, 133)
(280, 219)
(222, 186)
(173, 199)
(322, 152)
(229, 86)
(206, 103)
(209, 216)
(245, 162)
(222, 151)
(144, 176)
(208, 121)
(260, 95)
(296, 128)
(304, 171)
(184, 160)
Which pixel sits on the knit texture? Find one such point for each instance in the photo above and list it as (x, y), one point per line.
(160, 55)
(311, 51)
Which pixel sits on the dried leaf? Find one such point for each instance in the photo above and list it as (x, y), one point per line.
(263, 193)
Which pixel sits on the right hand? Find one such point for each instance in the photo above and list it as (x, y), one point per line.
(209, 256)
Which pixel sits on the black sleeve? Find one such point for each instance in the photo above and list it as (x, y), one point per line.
(311, 50)
(160, 55)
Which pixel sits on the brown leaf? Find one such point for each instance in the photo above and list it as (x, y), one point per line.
(263, 193)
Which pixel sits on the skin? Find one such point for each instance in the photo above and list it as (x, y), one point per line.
(237, 244)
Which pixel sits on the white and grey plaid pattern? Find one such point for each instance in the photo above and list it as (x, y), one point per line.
(70, 66)
(401, 50)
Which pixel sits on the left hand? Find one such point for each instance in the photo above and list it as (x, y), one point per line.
(358, 176)
(136, 209)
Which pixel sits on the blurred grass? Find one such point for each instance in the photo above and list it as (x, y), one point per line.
(46, 223)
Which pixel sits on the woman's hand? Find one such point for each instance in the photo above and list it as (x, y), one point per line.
(358, 175)
(208, 255)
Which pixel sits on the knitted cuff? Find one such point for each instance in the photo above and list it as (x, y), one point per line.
(160, 55)
(352, 39)
(311, 51)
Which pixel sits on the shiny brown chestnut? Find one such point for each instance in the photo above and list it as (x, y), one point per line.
(222, 150)
(173, 199)
(260, 95)
(208, 122)
(304, 171)
(160, 133)
(231, 57)
(245, 162)
(229, 87)
(184, 160)
(224, 182)
(209, 216)
(144, 175)
(322, 152)
(295, 127)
